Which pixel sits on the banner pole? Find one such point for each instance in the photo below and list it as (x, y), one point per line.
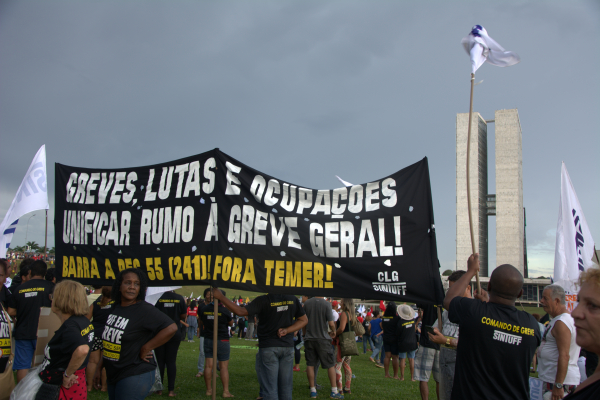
(46, 239)
(468, 177)
(215, 338)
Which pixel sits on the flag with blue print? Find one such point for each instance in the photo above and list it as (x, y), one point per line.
(9, 232)
(483, 48)
(32, 195)
(574, 251)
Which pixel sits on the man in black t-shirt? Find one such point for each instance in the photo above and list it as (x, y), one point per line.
(497, 341)
(173, 305)
(25, 304)
(280, 316)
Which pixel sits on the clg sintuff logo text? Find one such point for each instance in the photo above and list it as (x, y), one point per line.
(389, 284)
(578, 239)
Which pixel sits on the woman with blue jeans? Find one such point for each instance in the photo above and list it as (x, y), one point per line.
(192, 320)
(133, 329)
(367, 336)
(376, 333)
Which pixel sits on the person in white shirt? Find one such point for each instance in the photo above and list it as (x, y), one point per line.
(558, 353)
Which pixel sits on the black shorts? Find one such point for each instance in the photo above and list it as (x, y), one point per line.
(319, 350)
(391, 348)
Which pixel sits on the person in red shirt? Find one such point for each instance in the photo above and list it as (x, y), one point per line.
(192, 320)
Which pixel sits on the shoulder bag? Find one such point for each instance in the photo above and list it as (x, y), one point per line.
(348, 345)
(359, 328)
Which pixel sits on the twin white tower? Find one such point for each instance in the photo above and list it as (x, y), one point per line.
(506, 204)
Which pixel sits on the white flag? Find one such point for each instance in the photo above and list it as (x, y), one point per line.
(32, 195)
(483, 48)
(155, 293)
(574, 244)
(347, 184)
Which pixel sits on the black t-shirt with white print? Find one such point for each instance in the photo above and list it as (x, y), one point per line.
(5, 342)
(495, 350)
(100, 314)
(389, 325)
(275, 311)
(127, 330)
(74, 332)
(208, 321)
(406, 333)
(27, 299)
(172, 305)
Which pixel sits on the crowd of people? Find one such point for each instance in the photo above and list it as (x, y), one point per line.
(113, 340)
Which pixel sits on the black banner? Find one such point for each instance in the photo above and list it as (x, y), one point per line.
(209, 219)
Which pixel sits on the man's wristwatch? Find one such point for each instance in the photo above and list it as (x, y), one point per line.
(447, 341)
(67, 376)
(558, 385)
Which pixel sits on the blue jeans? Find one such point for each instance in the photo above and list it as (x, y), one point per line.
(201, 356)
(135, 387)
(191, 331)
(274, 370)
(367, 338)
(377, 344)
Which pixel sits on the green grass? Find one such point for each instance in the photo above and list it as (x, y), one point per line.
(369, 383)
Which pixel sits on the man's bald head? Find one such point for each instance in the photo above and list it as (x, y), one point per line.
(506, 282)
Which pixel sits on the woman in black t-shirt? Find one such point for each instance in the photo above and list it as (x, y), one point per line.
(98, 314)
(389, 322)
(133, 329)
(66, 355)
(407, 338)
(206, 324)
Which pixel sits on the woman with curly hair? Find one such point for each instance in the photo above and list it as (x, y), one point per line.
(133, 329)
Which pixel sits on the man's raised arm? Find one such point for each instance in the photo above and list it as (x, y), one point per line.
(459, 287)
(231, 306)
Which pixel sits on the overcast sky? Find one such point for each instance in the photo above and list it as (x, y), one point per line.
(303, 91)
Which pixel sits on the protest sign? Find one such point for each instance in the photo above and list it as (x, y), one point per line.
(210, 219)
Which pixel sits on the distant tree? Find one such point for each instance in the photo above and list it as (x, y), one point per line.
(447, 272)
(32, 245)
(51, 250)
(541, 277)
(18, 249)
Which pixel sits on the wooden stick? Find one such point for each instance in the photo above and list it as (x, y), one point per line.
(468, 177)
(46, 238)
(215, 338)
